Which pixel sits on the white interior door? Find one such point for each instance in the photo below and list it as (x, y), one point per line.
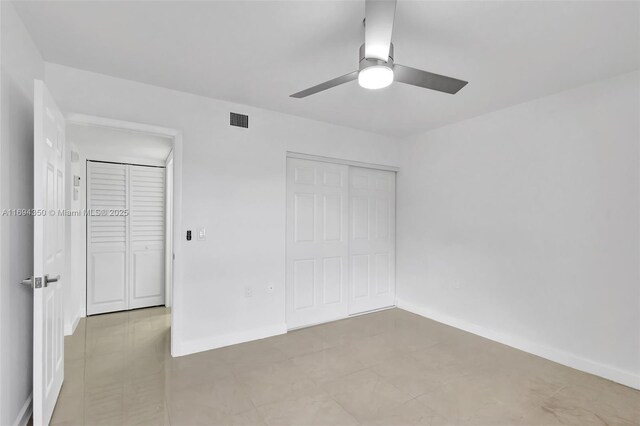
(372, 201)
(48, 254)
(147, 241)
(107, 272)
(317, 242)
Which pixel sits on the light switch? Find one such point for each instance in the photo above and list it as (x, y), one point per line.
(202, 234)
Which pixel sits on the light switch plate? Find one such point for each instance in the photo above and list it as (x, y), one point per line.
(202, 234)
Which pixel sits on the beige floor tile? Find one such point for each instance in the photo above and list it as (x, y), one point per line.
(277, 382)
(608, 404)
(411, 413)
(408, 340)
(75, 345)
(149, 390)
(138, 412)
(104, 405)
(250, 354)
(196, 369)
(365, 394)
(105, 345)
(299, 342)
(74, 374)
(329, 364)
(106, 369)
(114, 319)
(342, 332)
(373, 350)
(141, 367)
(409, 375)
(462, 400)
(247, 418)
(207, 416)
(311, 411)
(446, 363)
(387, 368)
(69, 407)
(222, 397)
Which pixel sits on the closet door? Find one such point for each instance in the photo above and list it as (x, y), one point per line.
(147, 230)
(317, 242)
(106, 238)
(372, 200)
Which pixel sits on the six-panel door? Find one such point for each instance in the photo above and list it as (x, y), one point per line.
(371, 239)
(48, 254)
(317, 242)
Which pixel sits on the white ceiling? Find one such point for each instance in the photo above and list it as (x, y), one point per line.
(109, 144)
(259, 52)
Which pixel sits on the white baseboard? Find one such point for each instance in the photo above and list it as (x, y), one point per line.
(69, 329)
(626, 378)
(190, 347)
(25, 413)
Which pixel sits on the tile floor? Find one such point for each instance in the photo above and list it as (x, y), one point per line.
(385, 368)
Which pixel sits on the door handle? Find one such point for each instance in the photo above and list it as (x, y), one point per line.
(48, 280)
(34, 282)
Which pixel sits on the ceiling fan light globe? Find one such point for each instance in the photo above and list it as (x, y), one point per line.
(375, 77)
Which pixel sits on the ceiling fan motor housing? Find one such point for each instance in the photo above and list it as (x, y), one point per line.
(366, 63)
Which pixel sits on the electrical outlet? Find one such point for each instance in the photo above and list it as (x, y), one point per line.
(270, 288)
(248, 292)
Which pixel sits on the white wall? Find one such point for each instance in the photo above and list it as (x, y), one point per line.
(120, 146)
(523, 225)
(21, 63)
(234, 185)
(75, 241)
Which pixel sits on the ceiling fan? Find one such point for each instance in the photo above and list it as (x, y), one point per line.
(376, 69)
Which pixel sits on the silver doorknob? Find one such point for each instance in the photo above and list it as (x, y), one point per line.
(48, 280)
(28, 282)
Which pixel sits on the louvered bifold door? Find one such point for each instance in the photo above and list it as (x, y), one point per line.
(107, 273)
(147, 228)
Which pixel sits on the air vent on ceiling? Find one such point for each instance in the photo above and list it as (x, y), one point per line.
(239, 120)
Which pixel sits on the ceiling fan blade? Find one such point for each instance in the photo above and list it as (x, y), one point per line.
(378, 27)
(428, 80)
(326, 85)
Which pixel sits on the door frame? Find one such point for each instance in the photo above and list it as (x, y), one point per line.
(333, 160)
(312, 157)
(176, 136)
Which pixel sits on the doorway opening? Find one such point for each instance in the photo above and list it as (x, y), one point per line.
(126, 178)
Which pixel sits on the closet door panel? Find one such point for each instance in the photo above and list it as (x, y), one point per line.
(317, 242)
(107, 273)
(372, 243)
(147, 241)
